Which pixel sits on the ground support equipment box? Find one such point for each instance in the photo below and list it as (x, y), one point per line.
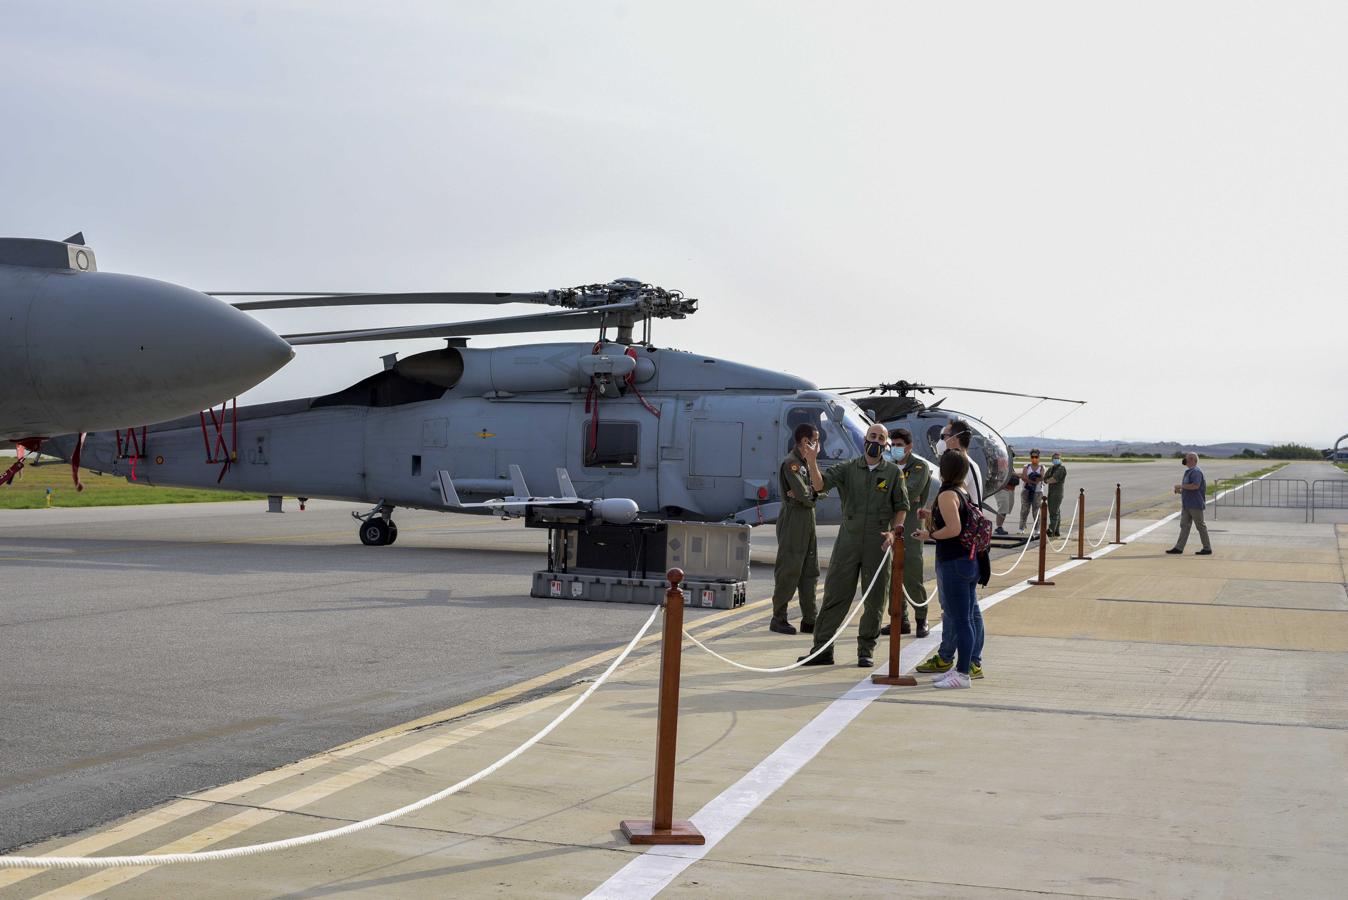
(651, 591)
(627, 563)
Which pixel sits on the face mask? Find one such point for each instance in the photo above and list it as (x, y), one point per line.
(1056, 461)
(896, 454)
(940, 446)
(873, 449)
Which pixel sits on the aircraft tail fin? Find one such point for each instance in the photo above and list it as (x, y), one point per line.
(447, 492)
(517, 481)
(568, 489)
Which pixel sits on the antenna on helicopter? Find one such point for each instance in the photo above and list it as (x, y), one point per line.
(620, 304)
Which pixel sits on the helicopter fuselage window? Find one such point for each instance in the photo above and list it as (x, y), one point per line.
(613, 445)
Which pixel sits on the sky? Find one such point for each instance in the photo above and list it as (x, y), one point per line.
(1141, 205)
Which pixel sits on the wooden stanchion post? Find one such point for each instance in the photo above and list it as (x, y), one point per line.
(1118, 514)
(895, 616)
(661, 828)
(1043, 542)
(1081, 529)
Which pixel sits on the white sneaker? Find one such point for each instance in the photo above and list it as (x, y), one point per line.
(952, 679)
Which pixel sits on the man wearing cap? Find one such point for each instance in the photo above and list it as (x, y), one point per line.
(797, 566)
(1055, 478)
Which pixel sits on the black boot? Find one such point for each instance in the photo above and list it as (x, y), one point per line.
(806, 627)
(921, 630)
(823, 659)
(781, 626)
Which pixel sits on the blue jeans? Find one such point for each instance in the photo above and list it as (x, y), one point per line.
(961, 619)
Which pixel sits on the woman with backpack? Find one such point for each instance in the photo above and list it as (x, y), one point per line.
(954, 525)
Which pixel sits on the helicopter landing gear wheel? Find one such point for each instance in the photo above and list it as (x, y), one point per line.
(377, 532)
(392, 532)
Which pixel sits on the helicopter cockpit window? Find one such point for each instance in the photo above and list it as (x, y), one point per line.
(612, 445)
(837, 440)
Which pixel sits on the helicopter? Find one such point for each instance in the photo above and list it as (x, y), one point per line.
(683, 436)
(896, 405)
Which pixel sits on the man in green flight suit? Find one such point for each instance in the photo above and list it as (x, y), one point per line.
(797, 565)
(1056, 479)
(874, 504)
(917, 480)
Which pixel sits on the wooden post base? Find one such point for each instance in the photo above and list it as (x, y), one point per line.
(642, 831)
(1120, 543)
(1037, 581)
(1078, 557)
(905, 680)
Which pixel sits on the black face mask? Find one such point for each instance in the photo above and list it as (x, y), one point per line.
(873, 449)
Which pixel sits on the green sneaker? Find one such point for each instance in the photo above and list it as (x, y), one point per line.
(975, 671)
(935, 664)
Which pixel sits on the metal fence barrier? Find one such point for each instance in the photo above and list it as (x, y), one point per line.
(1269, 493)
(1329, 493)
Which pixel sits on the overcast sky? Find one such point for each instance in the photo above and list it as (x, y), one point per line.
(1143, 205)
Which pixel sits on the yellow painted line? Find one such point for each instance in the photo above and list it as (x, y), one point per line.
(509, 693)
(95, 884)
(294, 801)
(177, 810)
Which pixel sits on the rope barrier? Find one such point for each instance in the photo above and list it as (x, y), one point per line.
(121, 862)
(1104, 532)
(1033, 523)
(1070, 526)
(829, 643)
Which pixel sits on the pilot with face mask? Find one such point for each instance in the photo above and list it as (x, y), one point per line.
(917, 480)
(874, 504)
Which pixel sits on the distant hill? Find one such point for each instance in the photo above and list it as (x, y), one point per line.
(1165, 448)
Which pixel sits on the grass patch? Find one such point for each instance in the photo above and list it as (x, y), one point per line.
(29, 490)
(1237, 481)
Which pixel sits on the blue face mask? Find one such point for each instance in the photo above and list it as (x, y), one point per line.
(896, 453)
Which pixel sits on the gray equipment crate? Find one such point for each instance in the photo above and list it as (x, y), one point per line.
(649, 591)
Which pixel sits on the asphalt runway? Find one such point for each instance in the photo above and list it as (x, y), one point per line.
(154, 651)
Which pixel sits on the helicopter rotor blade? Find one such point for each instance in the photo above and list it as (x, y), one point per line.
(312, 300)
(560, 320)
(948, 387)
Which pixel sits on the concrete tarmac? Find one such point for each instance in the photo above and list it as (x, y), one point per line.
(152, 651)
(1150, 726)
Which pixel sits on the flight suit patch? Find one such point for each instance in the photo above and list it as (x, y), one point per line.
(882, 486)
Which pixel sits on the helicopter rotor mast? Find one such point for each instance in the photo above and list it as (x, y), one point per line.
(620, 303)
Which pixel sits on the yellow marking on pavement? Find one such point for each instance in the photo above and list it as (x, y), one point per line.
(197, 802)
(294, 801)
(509, 693)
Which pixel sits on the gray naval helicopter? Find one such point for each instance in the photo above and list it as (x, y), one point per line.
(675, 435)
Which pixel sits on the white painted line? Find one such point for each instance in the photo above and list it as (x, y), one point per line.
(652, 871)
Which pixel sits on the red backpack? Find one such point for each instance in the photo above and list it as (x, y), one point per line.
(975, 530)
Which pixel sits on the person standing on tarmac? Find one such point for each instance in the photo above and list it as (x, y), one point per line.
(1006, 498)
(874, 504)
(1055, 478)
(1030, 477)
(1193, 491)
(797, 565)
(917, 480)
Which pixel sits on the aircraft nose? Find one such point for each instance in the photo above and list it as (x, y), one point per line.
(248, 351)
(137, 351)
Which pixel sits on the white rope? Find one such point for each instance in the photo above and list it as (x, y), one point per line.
(803, 660)
(1058, 549)
(1108, 516)
(925, 603)
(109, 862)
(1033, 523)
